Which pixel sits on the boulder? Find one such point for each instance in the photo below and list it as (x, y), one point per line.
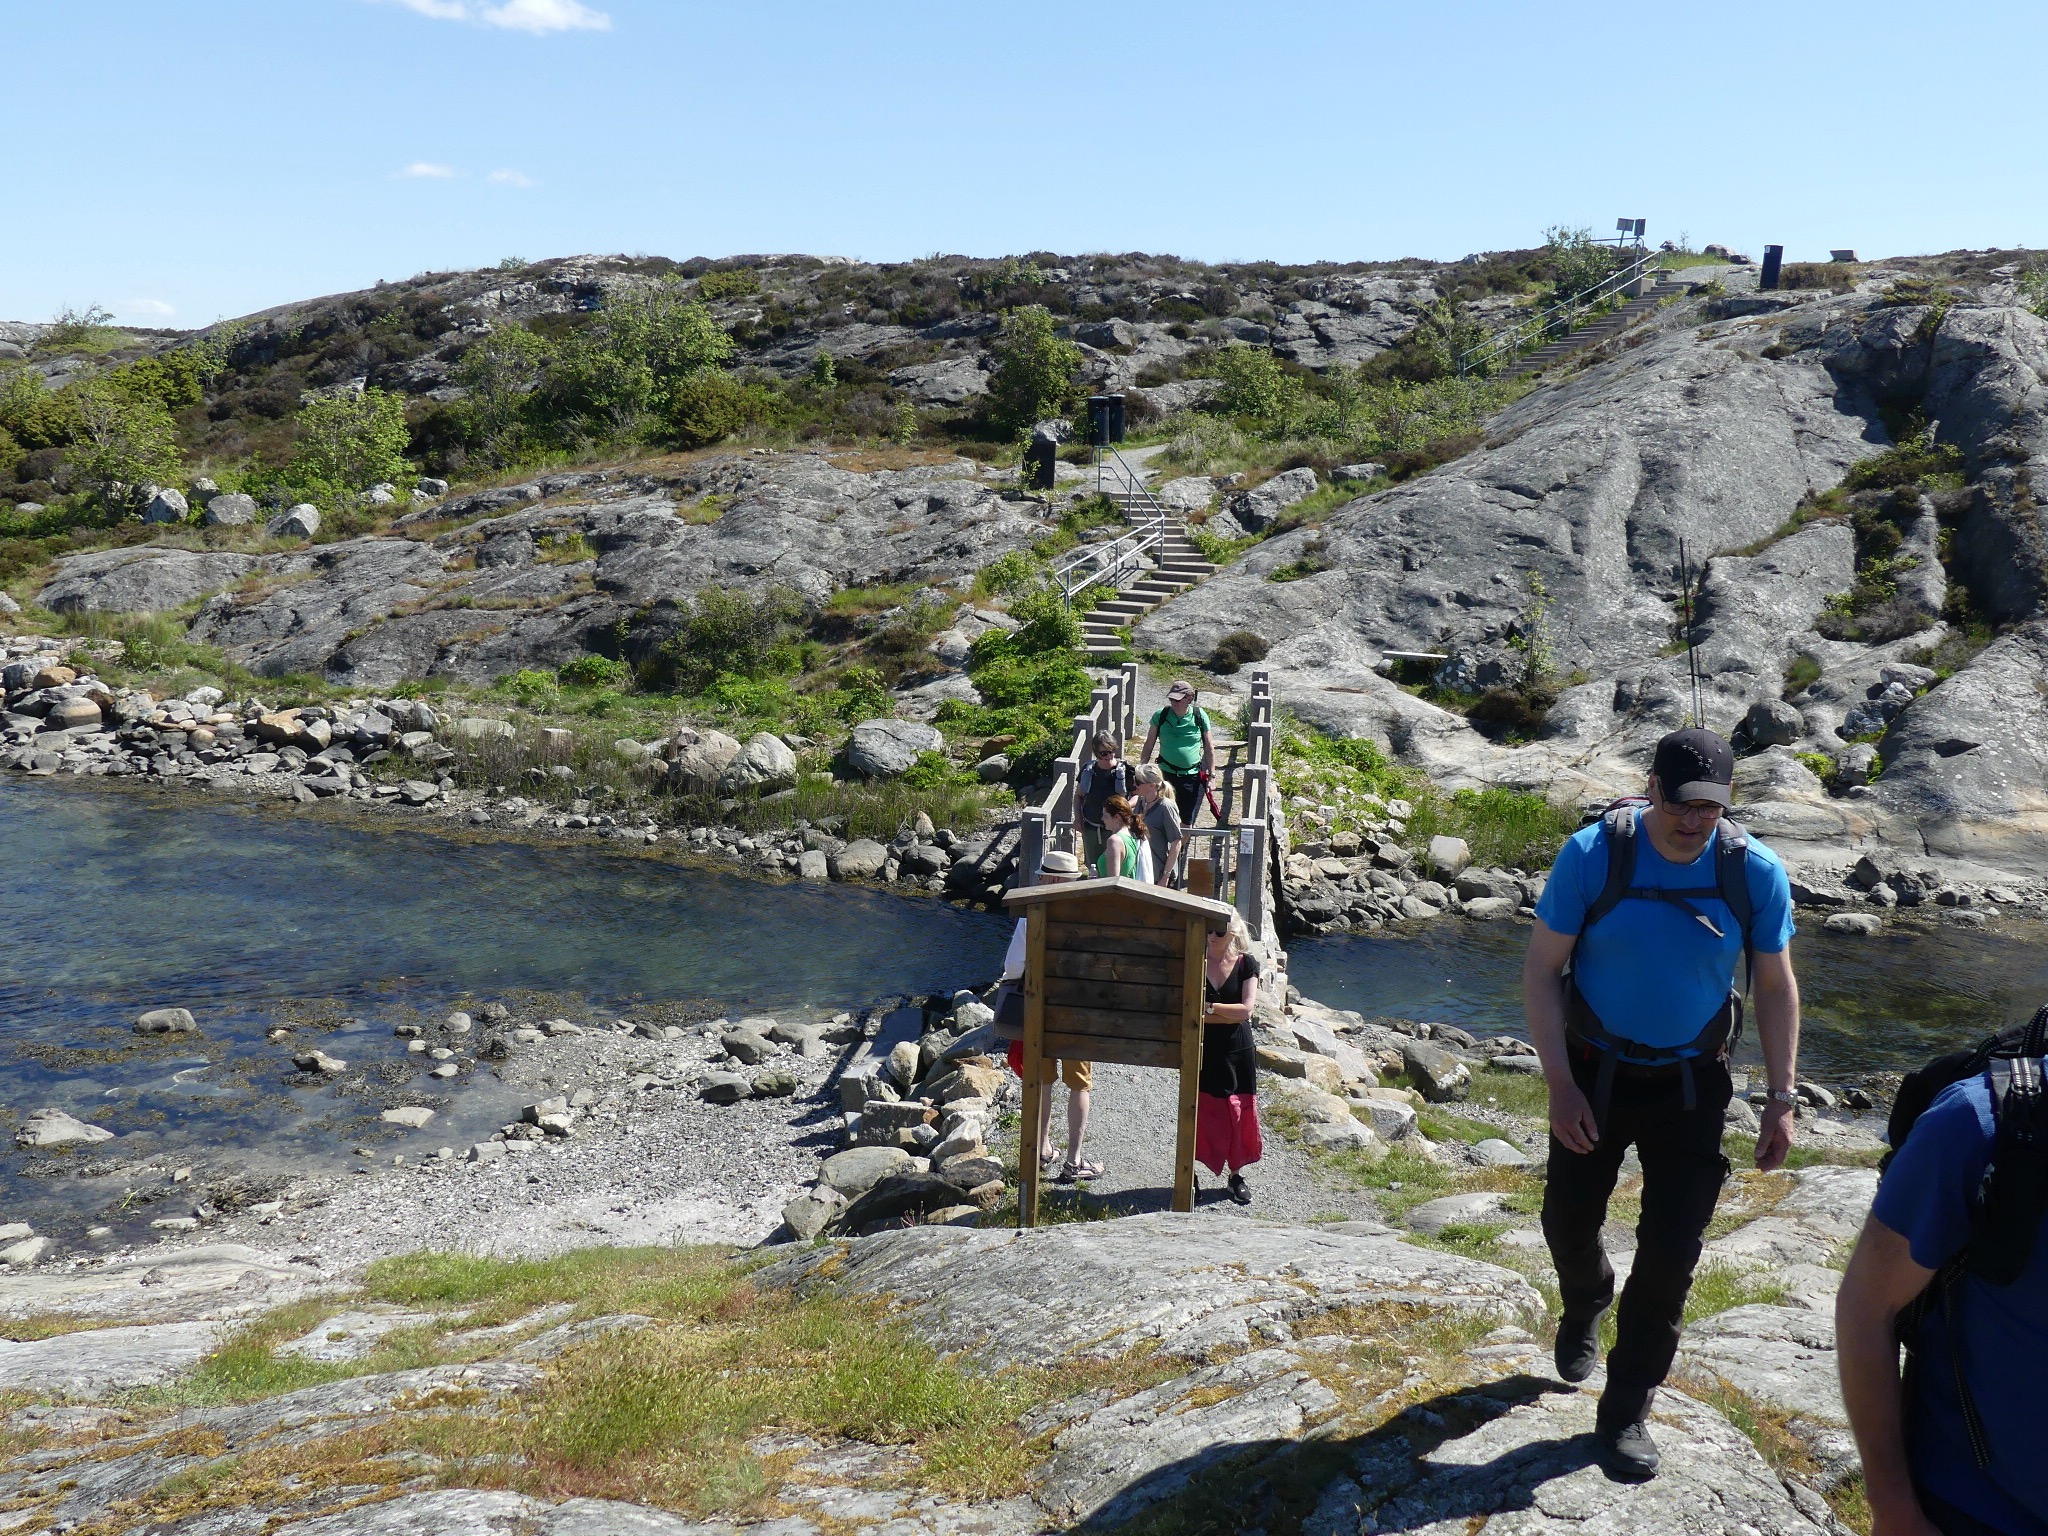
(812, 864)
(765, 764)
(1449, 857)
(1432, 1216)
(1773, 723)
(411, 1116)
(698, 760)
(1495, 1152)
(774, 1083)
(164, 506)
(299, 522)
(859, 1169)
(746, 1046)
(320, 1062)
(861, 859)
(809, 1213)
(887, 749)
(1319, 1071)
(54, 1128)
(166, 1021)
(1347, 1135)
(73, 715)
(1858, 924)
(1256, 510)
(724, 1087)
(230, 511)
(1392, 1116)
(1441, 1076)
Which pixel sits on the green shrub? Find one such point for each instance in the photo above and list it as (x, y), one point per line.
(596, 672)
(120, 441)
(933, 770)
(706, 407)
(1236, 649)
(1006, 574)
(725, 634)
(533, 689)
(1048, 624)
(347, 442)
(1254, 384)
(863, 695)
(1801, 673)
(1034, 374)
(736, 283)
(1819, 764)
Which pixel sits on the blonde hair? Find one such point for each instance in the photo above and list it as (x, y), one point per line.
(1240, 935)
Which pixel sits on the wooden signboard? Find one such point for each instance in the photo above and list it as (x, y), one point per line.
(1113, 972)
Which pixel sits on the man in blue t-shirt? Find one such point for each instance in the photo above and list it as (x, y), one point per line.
(1920, 1469)
(1632, 1014)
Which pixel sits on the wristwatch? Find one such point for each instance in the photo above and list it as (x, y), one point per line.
(1784, 1096)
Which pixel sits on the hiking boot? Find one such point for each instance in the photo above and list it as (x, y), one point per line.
(1629, 1452)
(1238, 1192)
(1622, 1424)
(1578, 1347)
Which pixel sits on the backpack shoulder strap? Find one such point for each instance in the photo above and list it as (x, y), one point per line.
(1731, 875)
(1618, 831)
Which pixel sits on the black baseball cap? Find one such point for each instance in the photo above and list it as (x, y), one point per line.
(1693, 764)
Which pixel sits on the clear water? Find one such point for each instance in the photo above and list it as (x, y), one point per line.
(1868, 1005)
(114, 903)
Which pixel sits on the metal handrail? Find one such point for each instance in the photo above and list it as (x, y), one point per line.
(1124, 555)
(1512, 340)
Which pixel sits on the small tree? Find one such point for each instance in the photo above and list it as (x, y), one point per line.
(1254, 384)
(121, 441)
(1034, 372)
(501, 373)
(1578, 262)
(349, 442)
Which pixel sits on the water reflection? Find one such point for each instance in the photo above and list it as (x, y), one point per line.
(1883, 1003)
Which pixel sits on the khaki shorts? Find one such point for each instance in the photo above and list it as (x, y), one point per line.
(1078, 1075)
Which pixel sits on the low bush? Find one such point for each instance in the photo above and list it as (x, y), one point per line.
(1235, 650)
(596, 672)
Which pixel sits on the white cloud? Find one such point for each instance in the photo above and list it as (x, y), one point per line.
(511, 179)
(539, 16)
(155, 309)
(427, 171)
(535, 16)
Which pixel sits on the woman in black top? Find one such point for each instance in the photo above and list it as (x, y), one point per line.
(1227, 1112)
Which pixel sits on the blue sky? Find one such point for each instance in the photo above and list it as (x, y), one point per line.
(183, 160)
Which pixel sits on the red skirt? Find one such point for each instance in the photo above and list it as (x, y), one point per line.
(1227, 1131)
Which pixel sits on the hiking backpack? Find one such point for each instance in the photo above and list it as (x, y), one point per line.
(1731, 885)
(2007, 1205)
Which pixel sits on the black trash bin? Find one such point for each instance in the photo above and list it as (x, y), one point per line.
(1105, 419)
(1774, 259)
(1038, 464)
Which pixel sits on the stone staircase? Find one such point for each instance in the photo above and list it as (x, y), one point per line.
(1608, 326)
(1177, 564)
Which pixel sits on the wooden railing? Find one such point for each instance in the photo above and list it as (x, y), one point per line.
(1239, 844)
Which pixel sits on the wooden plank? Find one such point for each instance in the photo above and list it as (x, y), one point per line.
(1131, 1053)
(1112, 996)
(1122, 911)
(1034, 1053)
(1139, 894)
(1190, 1054)
(1112, 939)
(1143, 970)
(1117, 1023)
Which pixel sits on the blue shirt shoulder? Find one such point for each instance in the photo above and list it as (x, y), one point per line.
(2000, 1331)
(1651, 970)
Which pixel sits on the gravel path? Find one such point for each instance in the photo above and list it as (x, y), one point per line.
(1131, 1133)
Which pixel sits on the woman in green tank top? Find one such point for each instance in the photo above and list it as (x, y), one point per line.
(1119, 842)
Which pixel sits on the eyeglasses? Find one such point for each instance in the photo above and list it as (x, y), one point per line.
(1696, 811)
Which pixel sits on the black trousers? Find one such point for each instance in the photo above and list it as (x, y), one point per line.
(1683, 1170)
(1187, 793)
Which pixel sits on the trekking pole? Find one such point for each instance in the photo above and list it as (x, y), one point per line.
(1692, 662)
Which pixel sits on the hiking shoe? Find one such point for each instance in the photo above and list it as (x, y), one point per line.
(1238, 1192)
(1578, 1347)
(1629, 1452)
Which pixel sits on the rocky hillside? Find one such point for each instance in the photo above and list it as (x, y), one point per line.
(1851, 474)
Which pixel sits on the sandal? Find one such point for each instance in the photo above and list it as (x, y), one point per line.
(1080, 1171)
